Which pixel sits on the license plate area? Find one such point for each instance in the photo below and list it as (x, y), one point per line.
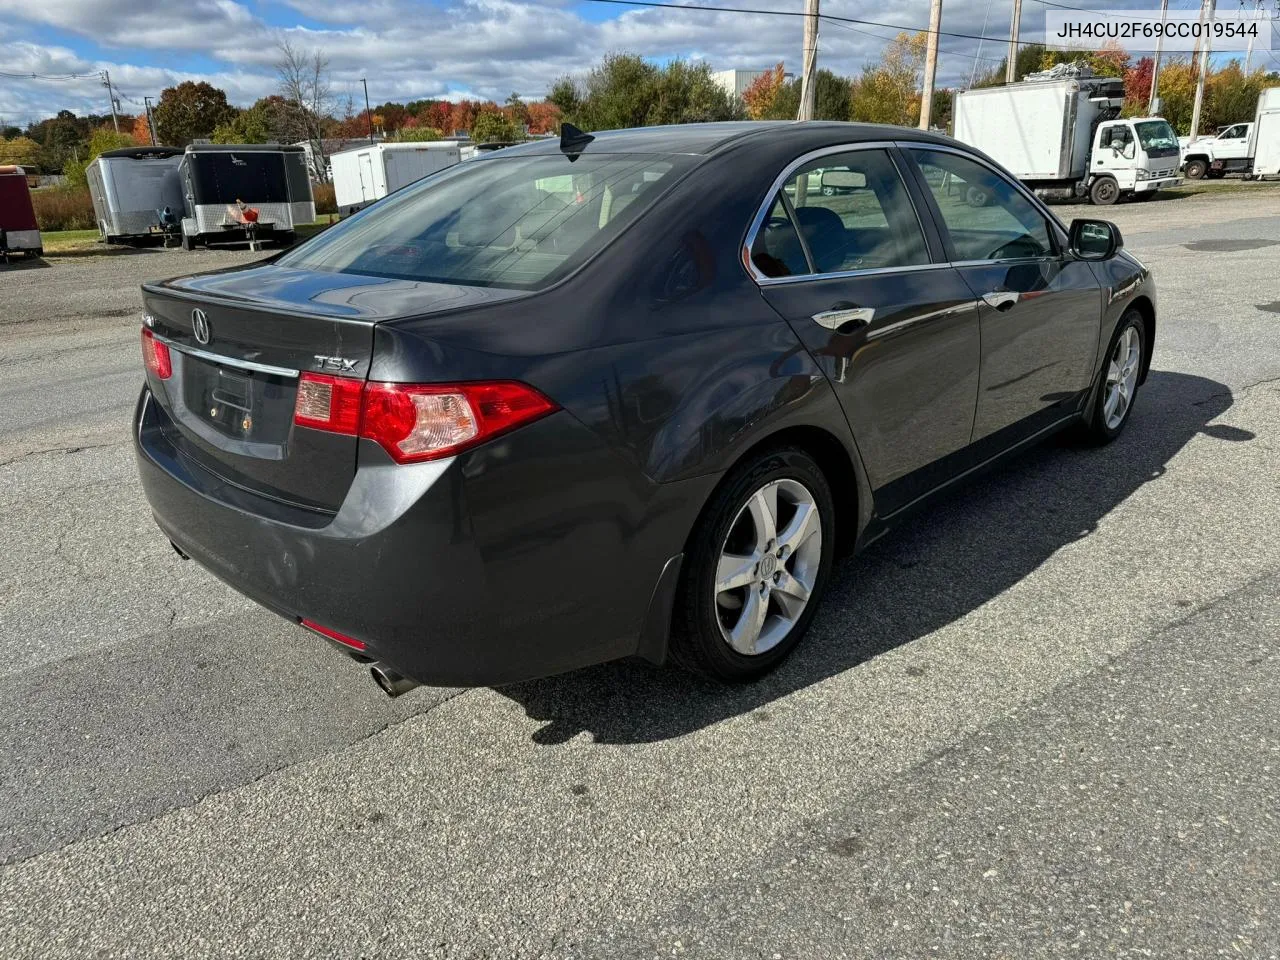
(243, 405)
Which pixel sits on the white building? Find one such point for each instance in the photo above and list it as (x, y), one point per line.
(735, 82)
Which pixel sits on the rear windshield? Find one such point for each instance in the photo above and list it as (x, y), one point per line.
(519, 222)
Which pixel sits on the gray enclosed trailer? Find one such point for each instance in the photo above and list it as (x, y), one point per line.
(131, 190)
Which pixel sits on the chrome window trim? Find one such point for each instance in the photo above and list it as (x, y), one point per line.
(868, 272)
(228, 361)
(758, 220)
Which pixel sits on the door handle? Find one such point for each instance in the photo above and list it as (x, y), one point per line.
(845, 317)
(1001, 299)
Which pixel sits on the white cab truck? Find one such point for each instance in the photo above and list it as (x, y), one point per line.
(1252, 149)
(365, 174)
(1059, 132)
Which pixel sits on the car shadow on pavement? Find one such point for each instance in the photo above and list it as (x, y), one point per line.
(948, 560)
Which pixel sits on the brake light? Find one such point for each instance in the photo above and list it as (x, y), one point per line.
(328, 403)
(415, 422)
(155, 355)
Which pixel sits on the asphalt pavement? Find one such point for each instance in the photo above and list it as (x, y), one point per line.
(1038, 721)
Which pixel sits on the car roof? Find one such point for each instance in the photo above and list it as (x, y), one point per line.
(709, 138)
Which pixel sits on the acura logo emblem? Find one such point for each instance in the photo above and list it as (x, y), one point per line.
(200, 324)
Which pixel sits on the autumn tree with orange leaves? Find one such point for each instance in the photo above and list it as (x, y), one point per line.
(760, 96)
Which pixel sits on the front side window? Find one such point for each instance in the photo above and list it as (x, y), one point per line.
(986, 217)
(519, 222)
(853, 212)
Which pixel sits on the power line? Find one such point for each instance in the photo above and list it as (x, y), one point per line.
(884, 39)
(37, 76)
(825, 16)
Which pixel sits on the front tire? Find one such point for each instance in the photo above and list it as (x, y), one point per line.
(1104, 192)
(758, 560)
(1121, 378)
(1195, 169)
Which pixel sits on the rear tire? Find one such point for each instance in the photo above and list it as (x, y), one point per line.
(1121, 376)
(758, 561)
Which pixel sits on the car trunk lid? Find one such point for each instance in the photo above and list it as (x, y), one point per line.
(240, 343)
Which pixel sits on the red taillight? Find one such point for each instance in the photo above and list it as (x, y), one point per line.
(155, 355)
(333, 635)
(414, 422)
(328, 403)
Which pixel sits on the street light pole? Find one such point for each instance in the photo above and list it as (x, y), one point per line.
(367, 112)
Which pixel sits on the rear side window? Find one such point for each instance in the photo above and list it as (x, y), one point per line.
(518, 222)
(853, 213)
(985, 215)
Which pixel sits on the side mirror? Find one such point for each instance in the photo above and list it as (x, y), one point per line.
(1094, 239)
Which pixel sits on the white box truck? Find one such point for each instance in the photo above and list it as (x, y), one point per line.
(1252, 149)
(1264, 141)
(1059, 132)
(365, 174)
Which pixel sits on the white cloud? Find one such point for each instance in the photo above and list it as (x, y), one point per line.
(409, 49)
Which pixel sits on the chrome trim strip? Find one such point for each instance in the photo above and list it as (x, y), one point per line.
(869, 271)
(228, 361)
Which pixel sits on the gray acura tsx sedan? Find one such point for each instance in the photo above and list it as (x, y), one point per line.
(623, 394)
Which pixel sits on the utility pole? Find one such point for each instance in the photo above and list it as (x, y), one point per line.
(808, 79)
(1011, 62)
(367, 112)
(1210, 6)
(930, 64)
(106, 82)
(1248, 56)
(1155, 71)
(151, 121)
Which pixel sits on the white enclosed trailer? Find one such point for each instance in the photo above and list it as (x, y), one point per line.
(365, 174)
(1059, 133)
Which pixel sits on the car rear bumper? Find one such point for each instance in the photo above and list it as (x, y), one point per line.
(486, 568)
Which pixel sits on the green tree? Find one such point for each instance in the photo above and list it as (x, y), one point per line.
(625, 90)
(416, 135)
(248, 126)
(490, 126)
(190, 111)
(889, 91)
(20, 150)
(103, 139)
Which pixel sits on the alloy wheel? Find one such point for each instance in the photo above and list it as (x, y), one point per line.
(768, 566)
(1122, 377)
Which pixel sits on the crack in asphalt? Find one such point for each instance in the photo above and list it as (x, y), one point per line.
(1237, 393)
(76, 448)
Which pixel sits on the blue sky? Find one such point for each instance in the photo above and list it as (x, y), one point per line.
(411, 49)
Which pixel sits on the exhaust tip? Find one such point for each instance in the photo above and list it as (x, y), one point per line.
(390, 682)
